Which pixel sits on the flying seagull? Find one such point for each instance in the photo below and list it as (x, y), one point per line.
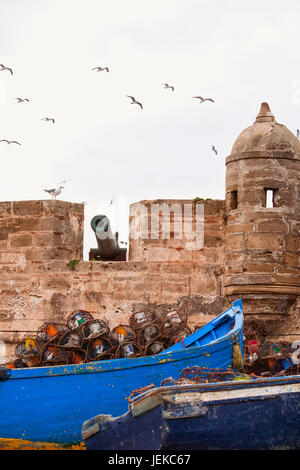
(10, 141)
(3, 67)
(54, 192)
(48, 119)
(214, 149)
(203, 99)
(134, 101)
(21, 100)
(168, 86)
(100, 69)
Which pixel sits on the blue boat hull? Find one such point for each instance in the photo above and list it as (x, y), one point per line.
(254, 415)
(51, 403)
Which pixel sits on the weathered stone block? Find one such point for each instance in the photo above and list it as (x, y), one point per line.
(272, 226)
(5, 209)
(235, 242)
(27, 208)
(239, 228)
(292, 243)
(264, 241)
(20, 240)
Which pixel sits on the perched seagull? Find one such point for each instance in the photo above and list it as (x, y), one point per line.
(48, 119)
(168, 86)
(54, 192)
(3, 67)
(298, 133)
(10, 141)
(214, 149)
(21, 100)
(134, 101)
(83, 203)
(203, 99)
(100, 69)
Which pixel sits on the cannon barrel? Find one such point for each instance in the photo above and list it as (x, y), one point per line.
(108, 246)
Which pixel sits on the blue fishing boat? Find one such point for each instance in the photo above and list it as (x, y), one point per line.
(51, 403)
(262, 414)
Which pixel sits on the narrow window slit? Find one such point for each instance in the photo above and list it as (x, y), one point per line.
(270, 198)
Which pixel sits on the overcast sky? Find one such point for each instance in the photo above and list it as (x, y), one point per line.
(238, 53)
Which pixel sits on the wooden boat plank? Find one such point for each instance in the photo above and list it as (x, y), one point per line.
(257, 414)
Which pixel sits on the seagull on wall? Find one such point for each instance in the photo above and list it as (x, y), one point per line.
(48, 119)
(134, 101)
(100, 69)
(10, 141)
(298, 134)
(203, 99)
(3, 67)
(168, 86)
(54, 192)
(21, 100)
(214, 149)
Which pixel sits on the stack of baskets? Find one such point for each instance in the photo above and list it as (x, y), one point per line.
(85, 339)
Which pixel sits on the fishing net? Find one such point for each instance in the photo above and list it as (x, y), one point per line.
(122, 333)
(28, 347)
(271, 349)
(54, 355)
(77, 356)
(139, 319)
(129, 349)
(94, 328)
(163, 309)
(172, 322)
(148, 334)
(98, 348)
(22, 362)
(180, 335)
(204, 375)
(71, 340)
(51, 332)
(155, 347)
(77, 318)
(197, 375)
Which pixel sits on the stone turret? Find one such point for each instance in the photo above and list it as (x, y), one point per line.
(263, 218)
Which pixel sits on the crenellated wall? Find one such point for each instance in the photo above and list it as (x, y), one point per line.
(39, 238)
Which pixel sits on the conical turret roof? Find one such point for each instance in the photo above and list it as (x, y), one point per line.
(266, 134)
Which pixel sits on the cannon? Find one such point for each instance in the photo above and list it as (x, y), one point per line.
(108, 246)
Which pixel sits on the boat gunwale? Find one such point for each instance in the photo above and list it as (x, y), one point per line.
(158, 392)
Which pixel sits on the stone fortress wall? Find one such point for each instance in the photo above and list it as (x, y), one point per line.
(249, 251)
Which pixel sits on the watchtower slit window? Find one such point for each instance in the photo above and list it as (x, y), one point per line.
(270, 198)
(233, 200)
